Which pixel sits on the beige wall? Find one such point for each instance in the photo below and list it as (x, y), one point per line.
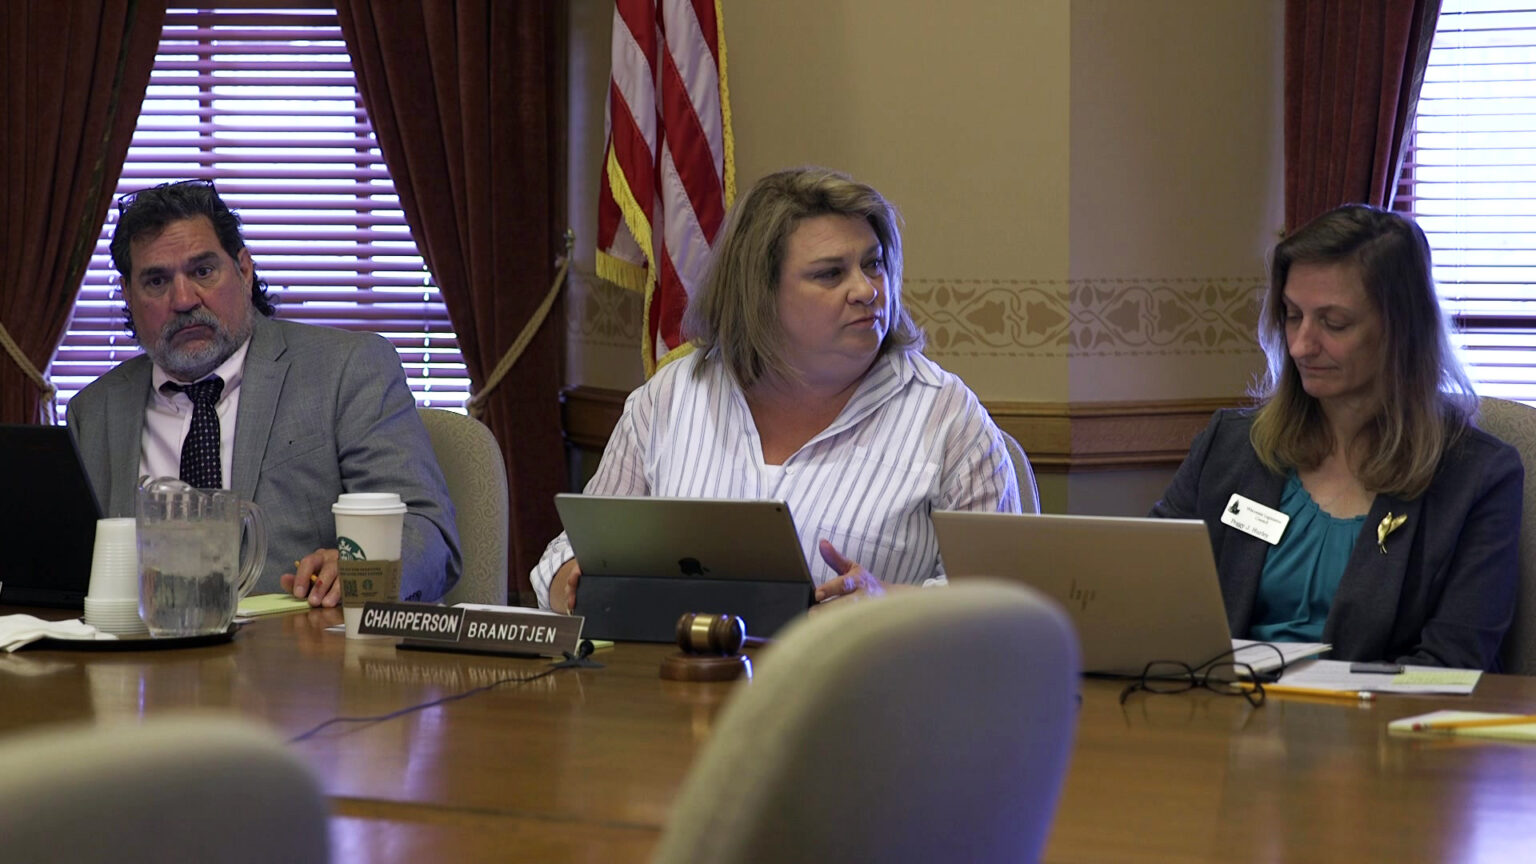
(957, 112)
(1176, 196)
(1176, 188)
(1088, 185)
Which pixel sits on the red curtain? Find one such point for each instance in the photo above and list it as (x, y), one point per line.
(1353, 69)
(71, 83)
(463, 97)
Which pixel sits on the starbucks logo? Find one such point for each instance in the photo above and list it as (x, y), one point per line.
(348, 549)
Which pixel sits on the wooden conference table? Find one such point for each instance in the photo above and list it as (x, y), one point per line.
(582, 765)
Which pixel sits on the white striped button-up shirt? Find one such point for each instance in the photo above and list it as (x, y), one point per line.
(911, 440)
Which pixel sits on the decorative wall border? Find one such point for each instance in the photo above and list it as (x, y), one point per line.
(1060, 437)
(602, 313)
(1088, 317)
(1154, 315)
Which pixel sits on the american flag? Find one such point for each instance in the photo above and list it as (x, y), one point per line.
(668, 174)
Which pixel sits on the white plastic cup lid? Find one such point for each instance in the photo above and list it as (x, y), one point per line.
(368, 504)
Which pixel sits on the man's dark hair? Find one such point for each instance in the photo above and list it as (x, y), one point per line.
(148, 211)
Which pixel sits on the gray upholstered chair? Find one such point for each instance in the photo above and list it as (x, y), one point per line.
(188, 788)
(1029, 491)
(932, 725)
(1516, 423)
(477, 484)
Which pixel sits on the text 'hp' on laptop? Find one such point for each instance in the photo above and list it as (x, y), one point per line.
(645, 562)
(47, 518)
(1138, 590)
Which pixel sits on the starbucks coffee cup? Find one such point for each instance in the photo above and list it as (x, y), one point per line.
(368, 528)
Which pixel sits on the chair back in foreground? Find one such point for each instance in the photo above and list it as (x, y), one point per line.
(931, 725)
(477, 484)
(1515, 423)
(1029, 490)
(196, 787)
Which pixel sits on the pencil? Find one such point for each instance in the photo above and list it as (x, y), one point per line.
(1433, 725)
(1314, 692)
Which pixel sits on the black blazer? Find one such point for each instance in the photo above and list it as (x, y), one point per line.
(1444, 592)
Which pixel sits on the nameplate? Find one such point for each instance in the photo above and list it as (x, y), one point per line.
(495, 629)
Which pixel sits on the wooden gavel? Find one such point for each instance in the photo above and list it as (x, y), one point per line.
(710, 649)
(720, 635)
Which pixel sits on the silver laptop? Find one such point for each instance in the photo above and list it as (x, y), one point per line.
(1138, 590)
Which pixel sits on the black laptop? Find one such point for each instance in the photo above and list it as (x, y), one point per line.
(48, 514)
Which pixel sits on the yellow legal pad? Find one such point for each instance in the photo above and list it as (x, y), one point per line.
(257, 605)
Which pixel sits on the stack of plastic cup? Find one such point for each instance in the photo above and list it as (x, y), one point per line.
(112, 600)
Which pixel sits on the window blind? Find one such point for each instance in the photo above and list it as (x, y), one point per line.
(264, 103)
(1470, 180)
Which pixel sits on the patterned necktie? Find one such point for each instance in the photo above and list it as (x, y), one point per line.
(200, 465)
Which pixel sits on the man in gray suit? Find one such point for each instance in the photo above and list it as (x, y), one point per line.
(287, 415)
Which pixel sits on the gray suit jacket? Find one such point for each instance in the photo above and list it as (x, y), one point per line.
(322, 412)
(1443, 593)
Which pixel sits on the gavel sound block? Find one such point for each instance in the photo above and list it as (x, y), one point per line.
(711, 649)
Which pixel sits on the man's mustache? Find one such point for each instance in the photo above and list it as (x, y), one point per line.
(183, 320)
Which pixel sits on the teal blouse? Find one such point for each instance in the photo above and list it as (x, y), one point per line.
(1302, 572)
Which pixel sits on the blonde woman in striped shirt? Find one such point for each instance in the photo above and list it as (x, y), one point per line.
(807, 385)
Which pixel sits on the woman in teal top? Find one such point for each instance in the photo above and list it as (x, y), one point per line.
(1302, 571)
(1404, 516)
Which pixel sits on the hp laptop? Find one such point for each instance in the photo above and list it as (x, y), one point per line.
(1138, 590)
(48, 514)
(645, 562)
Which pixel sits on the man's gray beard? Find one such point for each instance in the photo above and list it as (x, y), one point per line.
(190, 364)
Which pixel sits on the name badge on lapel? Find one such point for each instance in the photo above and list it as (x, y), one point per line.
(1251, 517)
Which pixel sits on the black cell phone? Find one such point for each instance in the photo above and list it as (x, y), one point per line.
(1376, 668)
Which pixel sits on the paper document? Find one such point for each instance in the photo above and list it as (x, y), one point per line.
(1263, 658)
(257, 605)
(1335, 675)
(1519, 732)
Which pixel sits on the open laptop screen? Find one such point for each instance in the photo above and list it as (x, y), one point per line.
(48, 514)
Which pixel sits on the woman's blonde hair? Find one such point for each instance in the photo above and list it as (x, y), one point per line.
(735, 316)
(1425, 400)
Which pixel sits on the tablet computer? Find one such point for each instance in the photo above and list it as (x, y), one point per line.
(682, 538)
(647, 561)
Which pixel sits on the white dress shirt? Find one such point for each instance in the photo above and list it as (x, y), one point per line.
(911, 440)
(168, 417)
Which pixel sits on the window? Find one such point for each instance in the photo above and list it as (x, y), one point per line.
(264, 102)
(1470, 180)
